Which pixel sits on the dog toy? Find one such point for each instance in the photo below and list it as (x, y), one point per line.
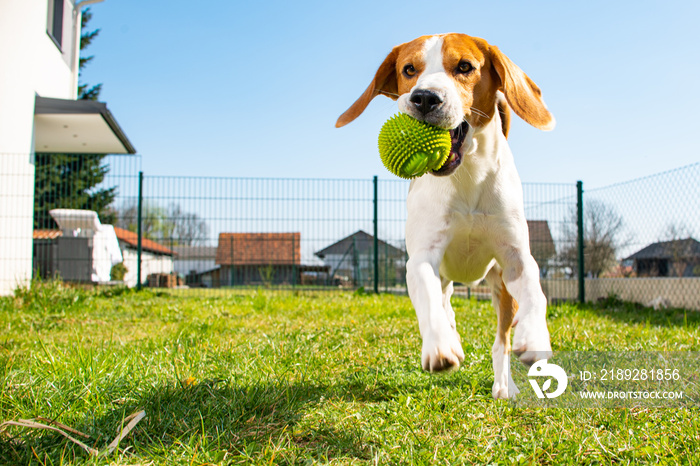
(410, 148)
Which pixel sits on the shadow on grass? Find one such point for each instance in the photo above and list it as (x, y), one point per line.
(247, 421)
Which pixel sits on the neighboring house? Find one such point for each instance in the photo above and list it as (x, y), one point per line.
(69, 257)
(155, 258)
(82, 251)
(39, 58)
(192, 261)
(541, 244)
(677, 258)
(258, 258)
(352, 260)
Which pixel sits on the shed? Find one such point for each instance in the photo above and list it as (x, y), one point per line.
(258, 258)
(675, 258)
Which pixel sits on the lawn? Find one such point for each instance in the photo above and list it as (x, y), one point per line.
(259, 377)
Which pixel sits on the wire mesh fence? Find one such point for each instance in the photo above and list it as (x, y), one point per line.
(74, 211)
(16, 206)
(304, 233)
(216, 233)
(642, 240)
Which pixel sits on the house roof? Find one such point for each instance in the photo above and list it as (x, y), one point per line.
(259, 249)
(132, 239)
(195, 252)
(77, 127)
(541, 242)
(128, 237)
(46, 234)
(677, 249)
(364, 244)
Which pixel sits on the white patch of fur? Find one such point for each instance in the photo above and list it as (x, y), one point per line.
(434, 78)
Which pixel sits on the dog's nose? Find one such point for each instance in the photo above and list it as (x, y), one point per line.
(425, 101)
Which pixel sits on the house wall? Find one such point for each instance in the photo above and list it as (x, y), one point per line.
(252, 275)
(680, 292)
(150, 263)
(184, 267)
(31, 64)
(365, 264)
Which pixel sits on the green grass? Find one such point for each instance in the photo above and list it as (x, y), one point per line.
(283, 378)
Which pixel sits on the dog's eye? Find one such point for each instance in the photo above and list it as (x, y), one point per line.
(464, 67)
(409, 70)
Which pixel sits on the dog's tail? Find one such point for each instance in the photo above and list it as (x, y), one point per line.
(504, 112)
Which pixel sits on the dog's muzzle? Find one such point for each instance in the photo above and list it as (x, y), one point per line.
(458, 136)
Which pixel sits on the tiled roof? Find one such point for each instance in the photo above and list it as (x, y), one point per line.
(688, 248)
(364, 244)
(259, 249)
(47, 234)
(132, 239)
(129, 237)
(541, 242)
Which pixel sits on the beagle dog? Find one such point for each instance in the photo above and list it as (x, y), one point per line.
(466, 221)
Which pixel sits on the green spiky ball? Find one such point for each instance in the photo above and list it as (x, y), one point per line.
(410, 148)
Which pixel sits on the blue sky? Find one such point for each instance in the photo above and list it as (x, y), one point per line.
(253, 89)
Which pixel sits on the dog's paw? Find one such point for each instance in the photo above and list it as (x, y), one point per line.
(441, 354)
(531, 339)
(501, 391)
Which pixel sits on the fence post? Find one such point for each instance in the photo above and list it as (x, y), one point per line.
(376, 240)
(579, 218)
(139, 233)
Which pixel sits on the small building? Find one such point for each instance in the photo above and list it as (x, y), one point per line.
(82, 251)
(541, 244)
(676, 258)
(192, 261)
(86, 258)
(155, 258)
(351, 260)
(209, 278)
(258, 259)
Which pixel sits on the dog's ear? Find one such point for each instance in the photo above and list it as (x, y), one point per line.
(522, 94)
(384, 82)
(504, 112)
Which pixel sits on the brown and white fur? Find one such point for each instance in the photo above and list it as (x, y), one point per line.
(466, 221)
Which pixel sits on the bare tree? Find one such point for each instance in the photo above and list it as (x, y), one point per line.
(172, 225)
(603, 237)
(675, 236)
(152, 219)
(186, 228)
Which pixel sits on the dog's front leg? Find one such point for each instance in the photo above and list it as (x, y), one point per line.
(441, 347)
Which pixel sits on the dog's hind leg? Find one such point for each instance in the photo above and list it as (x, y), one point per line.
(506, 307)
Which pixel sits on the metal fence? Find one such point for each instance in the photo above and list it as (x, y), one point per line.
(653, 226)
(215, 233)
(304, 233)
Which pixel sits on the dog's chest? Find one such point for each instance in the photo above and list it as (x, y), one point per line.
(470, 252)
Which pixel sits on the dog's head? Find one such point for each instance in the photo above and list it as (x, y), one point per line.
(453, 81)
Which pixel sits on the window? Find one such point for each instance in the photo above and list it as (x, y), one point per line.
(54, 23)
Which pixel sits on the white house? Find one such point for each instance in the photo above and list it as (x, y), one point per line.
(39, 56)
(155, 258)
